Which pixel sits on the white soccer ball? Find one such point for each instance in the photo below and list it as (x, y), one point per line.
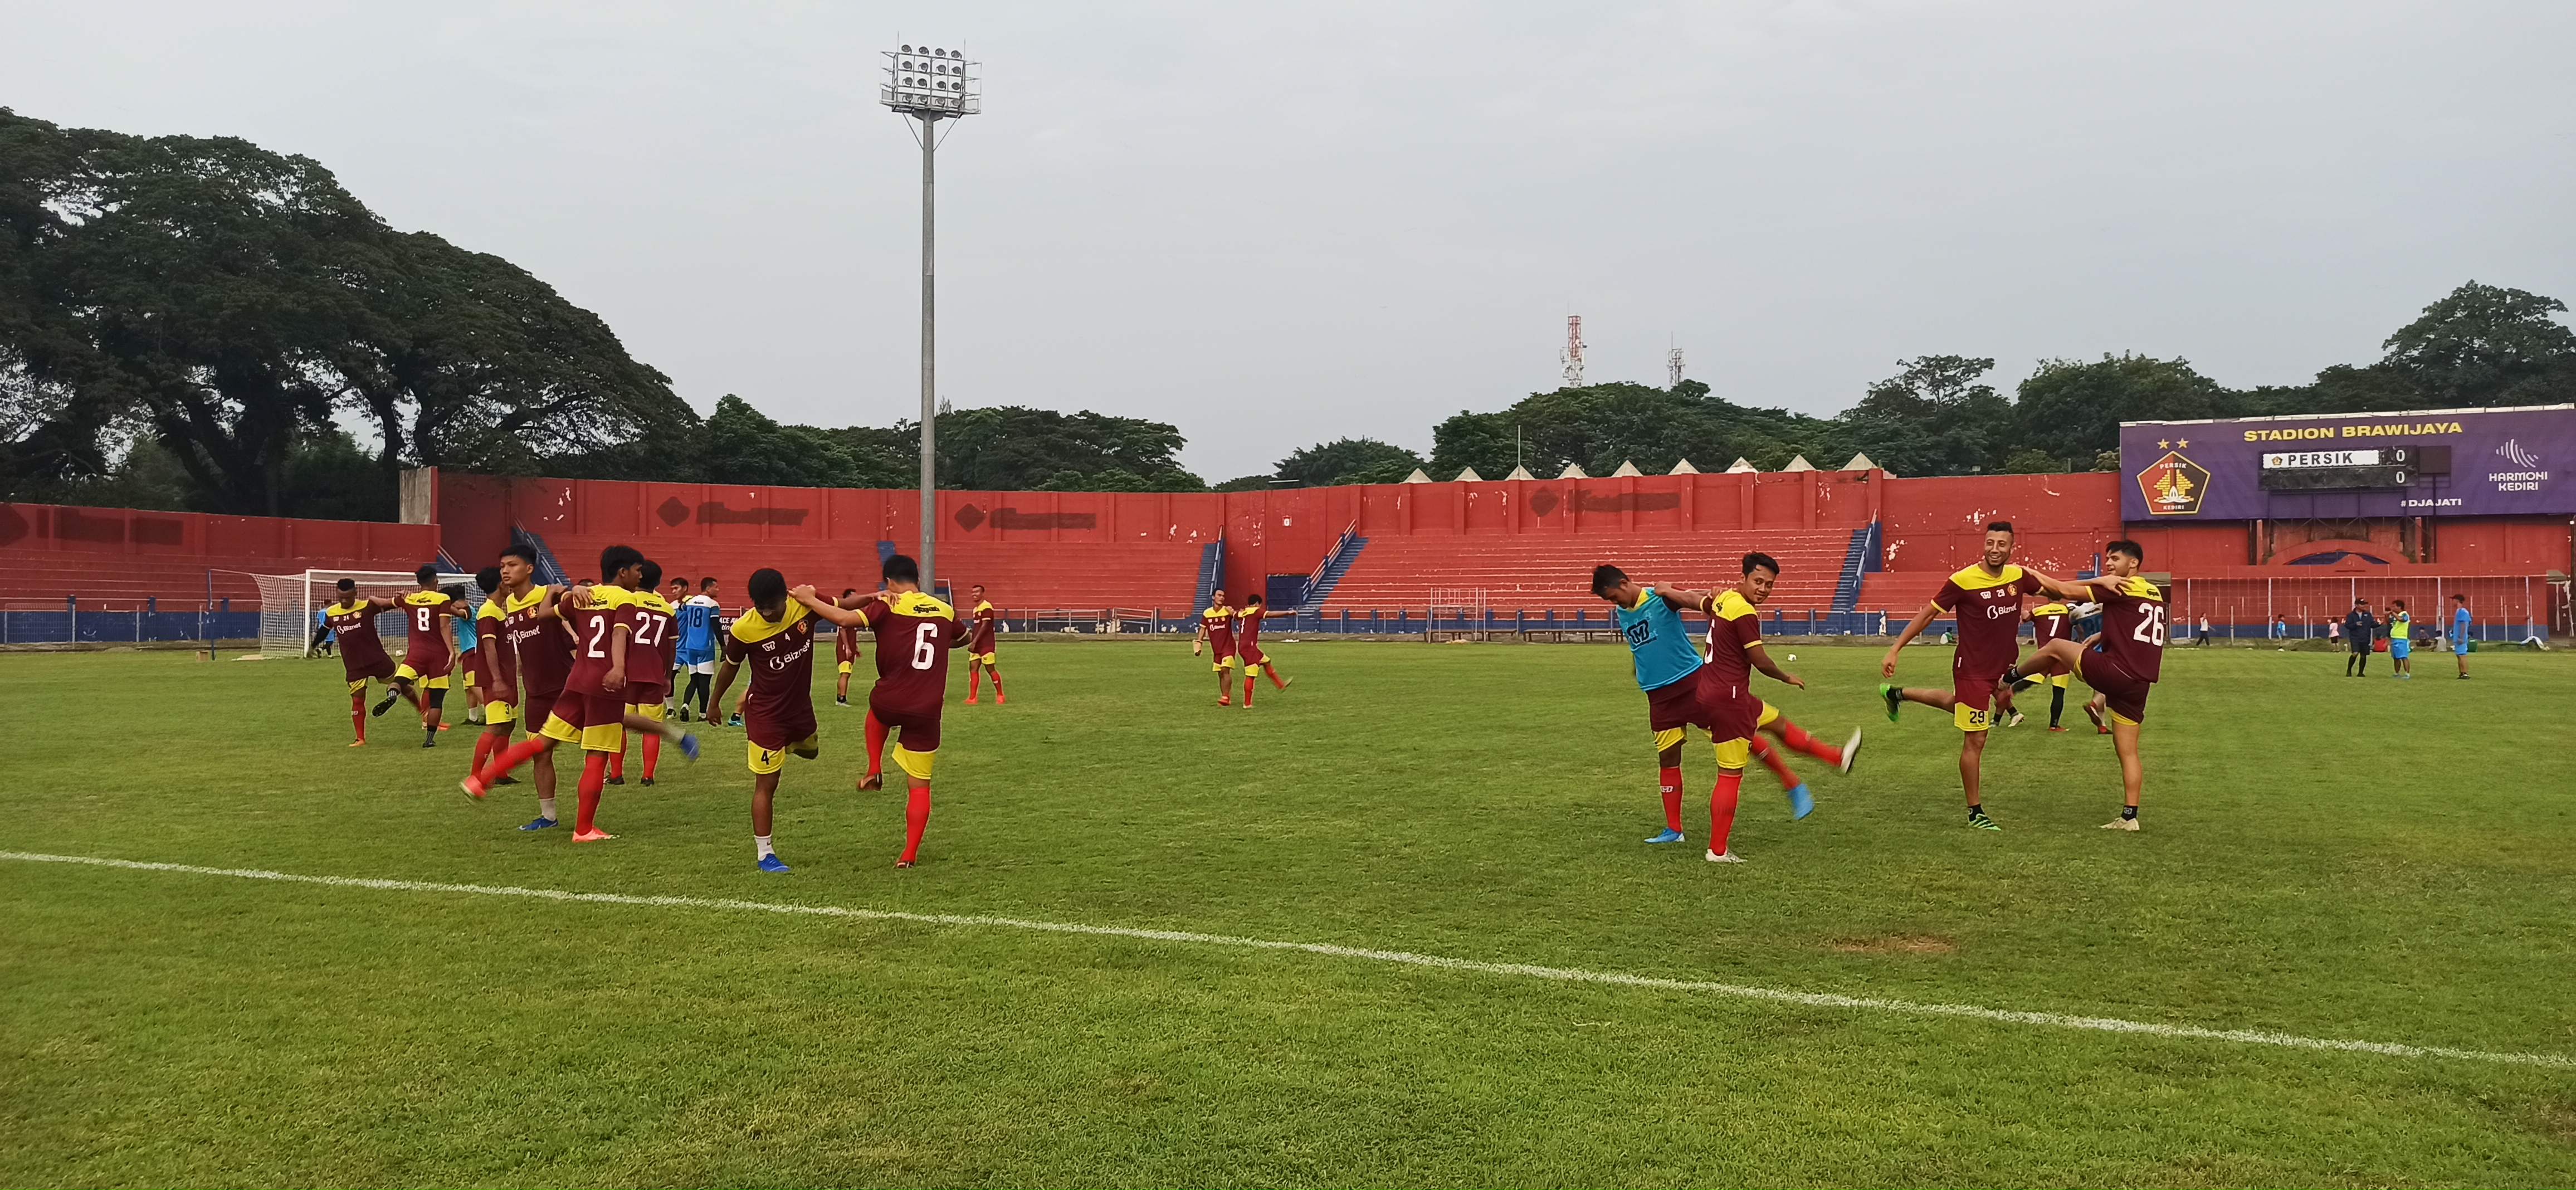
(1793, 656)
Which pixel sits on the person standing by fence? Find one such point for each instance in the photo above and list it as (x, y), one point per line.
(2401, 640)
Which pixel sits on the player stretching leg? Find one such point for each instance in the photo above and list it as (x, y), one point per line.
(499, 662)
(979, 648)
(776, 639)
(429, 655)
(1247, 635)
(1667, 669)
(1986, 599)
(362, 654)
(649, 664)
(541, 646)
(2122, 661)
(1735, 650)
(914, 633)
(1216, 628)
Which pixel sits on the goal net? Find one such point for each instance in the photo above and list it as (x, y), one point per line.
(290, 605)
(1464, 605)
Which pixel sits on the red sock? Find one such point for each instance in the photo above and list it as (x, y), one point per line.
(916, 817)
(1672, 780)
(483, 742)
(510, 758)
(652, 753)
(1770, 757)
(617, 762)
(1796, 737)
(974, 681)
(997, 686)
(1247, 690)
(1721, 808)
(1275, 683)
(594, 775)
(876, 745)
(358, 714)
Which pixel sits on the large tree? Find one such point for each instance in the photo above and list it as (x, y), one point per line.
(2485, 345)
(2071, 410)
(1017, 448)
(1601, 426)
(1349, 461)
(1936, 416)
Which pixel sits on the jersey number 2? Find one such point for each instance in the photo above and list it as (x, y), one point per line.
(598, 632)
(923, 652)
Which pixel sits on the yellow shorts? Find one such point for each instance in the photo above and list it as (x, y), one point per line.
(607, 737)
(980, 658)
(843, 667)
(648, 710)
(358, 687)
(1734, 753)
(765, 761)
(405, 673)
(497, 711)
(2117, 717)
(918, 764)
(1770, 715)
(1970, 718)
(2060, 681)
(1223, 664)
(1670, 737)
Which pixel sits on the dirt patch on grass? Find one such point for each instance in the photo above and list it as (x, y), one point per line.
(1897, 944)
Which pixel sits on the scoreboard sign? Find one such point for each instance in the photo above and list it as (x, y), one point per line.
(2464, 462)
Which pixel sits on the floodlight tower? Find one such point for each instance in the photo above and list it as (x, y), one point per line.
(1673, 368)
(1573, 353)
(930, 84)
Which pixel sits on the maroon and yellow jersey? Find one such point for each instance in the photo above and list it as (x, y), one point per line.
(2052, 621)
(1219, 620)
(2133, 624)
(425, 649)
(845, 645)
(362, 654)
(914, 633)
(985, 615)
(543, 648)
(648, 640)
(500, 661)
(780, 657)
(594, 632)
(1734, 627)
(1988, 609)
(1247, 631)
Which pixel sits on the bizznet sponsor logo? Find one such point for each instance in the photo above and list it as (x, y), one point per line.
(788, 658)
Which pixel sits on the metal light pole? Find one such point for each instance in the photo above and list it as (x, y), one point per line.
(930, 84)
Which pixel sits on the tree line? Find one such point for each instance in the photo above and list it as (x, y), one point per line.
(197, 324)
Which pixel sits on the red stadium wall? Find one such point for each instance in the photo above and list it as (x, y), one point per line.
(120, 555)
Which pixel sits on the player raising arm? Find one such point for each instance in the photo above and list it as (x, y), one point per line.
(845, 652)
(914, 633)
(1247, 636)
(1986, 601)
(362, 654)
(429, 654)
(776, 639)
(2122, 662)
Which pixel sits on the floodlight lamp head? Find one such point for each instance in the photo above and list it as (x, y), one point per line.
(931, 82)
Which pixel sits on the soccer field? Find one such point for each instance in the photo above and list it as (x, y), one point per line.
(2323, 860)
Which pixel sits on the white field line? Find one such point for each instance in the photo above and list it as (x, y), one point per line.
(2046, 1020)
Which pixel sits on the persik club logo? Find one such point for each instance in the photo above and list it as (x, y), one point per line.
(2173, 485)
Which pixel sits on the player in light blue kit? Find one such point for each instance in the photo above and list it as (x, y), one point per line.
(2460, 632)
(693, 629)
(1667, 670)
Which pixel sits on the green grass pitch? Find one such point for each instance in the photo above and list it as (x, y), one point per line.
(2369, 860)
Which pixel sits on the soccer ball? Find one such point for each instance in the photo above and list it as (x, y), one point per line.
(1793, 656)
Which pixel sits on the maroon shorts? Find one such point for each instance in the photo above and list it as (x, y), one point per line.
(380, 669)
(1733, 711)
(772, 732)
(1676, 706)
(584, 709)
(537, 709)
(471, 665)
(646, 694)
(2124, 691)
(918, 726)
(436, 664)
(1973, 693)
(1252, 656)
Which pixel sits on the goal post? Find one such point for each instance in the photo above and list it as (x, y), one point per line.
(290, 603)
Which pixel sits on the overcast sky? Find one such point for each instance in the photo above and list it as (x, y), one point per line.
(1277, 224)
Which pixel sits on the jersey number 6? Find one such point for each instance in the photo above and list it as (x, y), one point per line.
(923, 651)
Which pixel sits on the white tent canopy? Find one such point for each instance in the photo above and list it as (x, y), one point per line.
(1742, 466)
(1572, 471)
(1799, 463)
(1626, 467)
(1520, 472)
(1683, 468)
(1469, 476)
(1417, 477)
